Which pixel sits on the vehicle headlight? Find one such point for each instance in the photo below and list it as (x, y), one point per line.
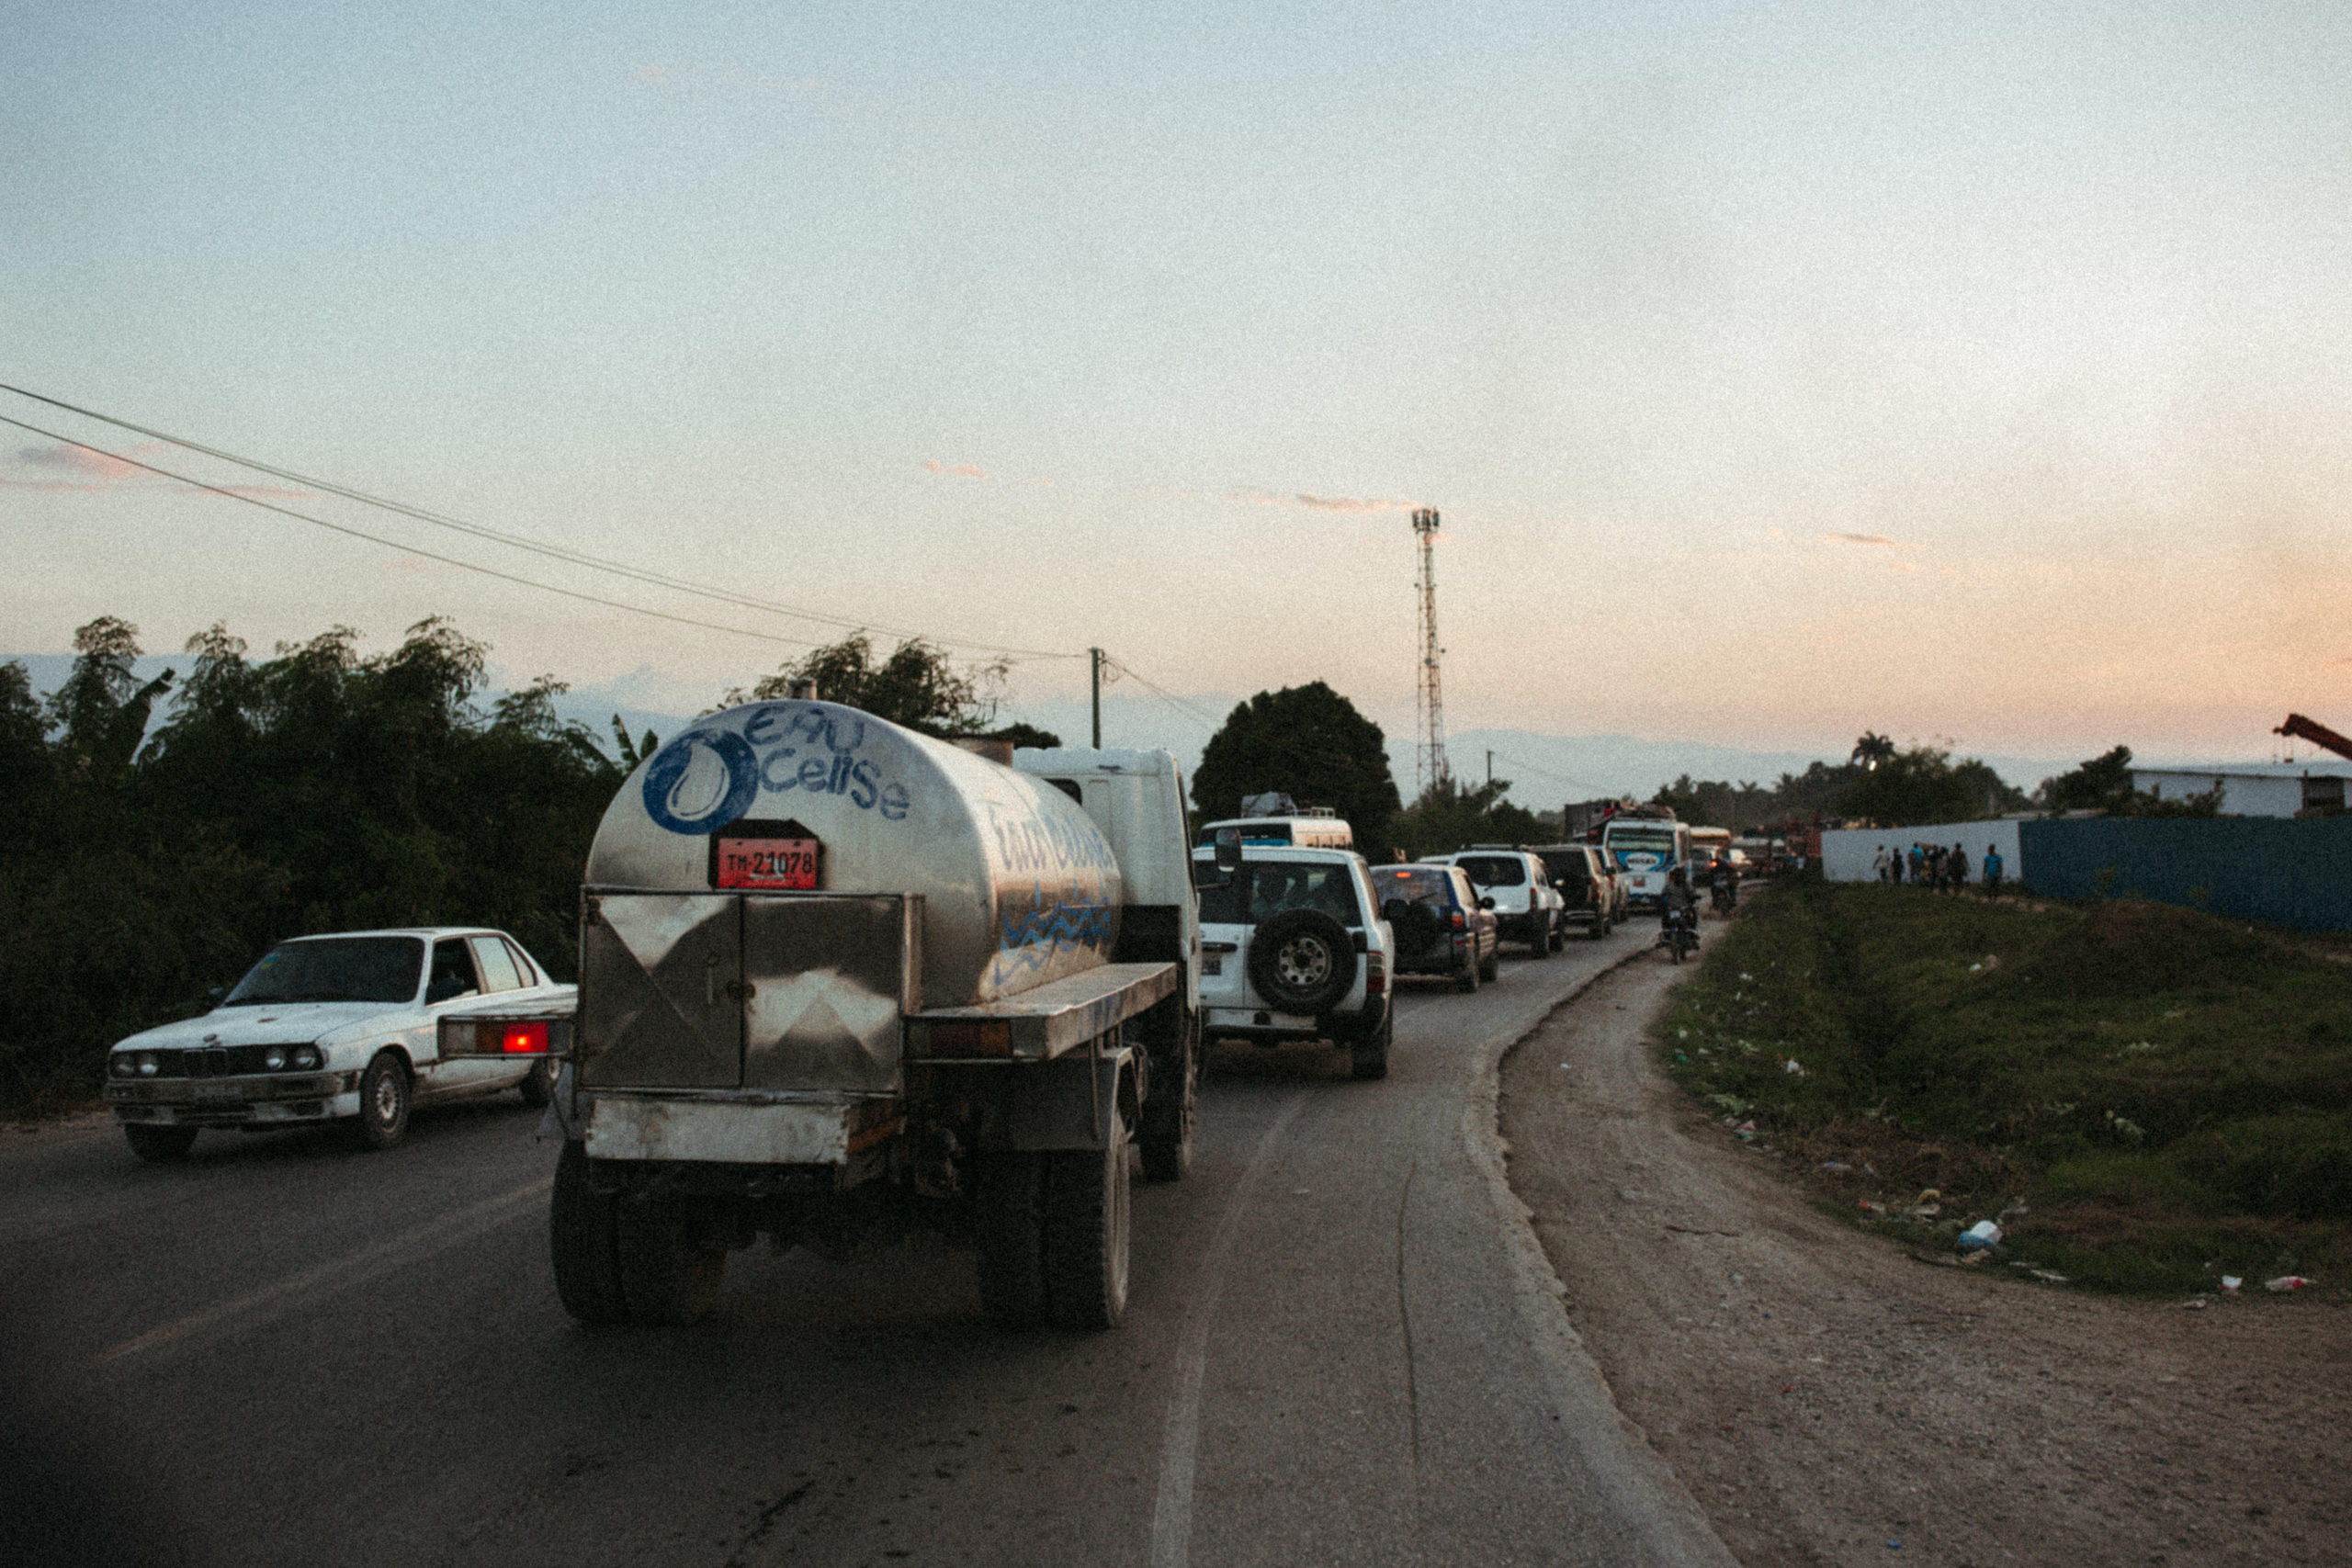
(123, 1065)
(147, 1064)
(274, 1058)
(307, 1057)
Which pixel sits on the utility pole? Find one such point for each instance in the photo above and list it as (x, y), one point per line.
(1094, 662)
(1490, 770)
(1430, 767)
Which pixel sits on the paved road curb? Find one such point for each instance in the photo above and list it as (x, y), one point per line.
(1617, 1452)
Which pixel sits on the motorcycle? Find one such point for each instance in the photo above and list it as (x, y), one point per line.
(1724, 897)
(1679, 930)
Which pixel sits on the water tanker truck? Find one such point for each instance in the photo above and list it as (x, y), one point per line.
(838, 980)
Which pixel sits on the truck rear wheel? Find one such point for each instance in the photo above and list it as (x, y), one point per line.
(670, 1268)
(1166, 1135)
(1086, 1233)
(1011, 1223)
(580, 1240)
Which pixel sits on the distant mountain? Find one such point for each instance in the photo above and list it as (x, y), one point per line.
(1545, 770)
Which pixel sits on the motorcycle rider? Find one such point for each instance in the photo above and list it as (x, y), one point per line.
(1726, 885)
(1676, 899)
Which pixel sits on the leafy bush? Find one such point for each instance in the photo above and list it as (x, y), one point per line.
(316, 791)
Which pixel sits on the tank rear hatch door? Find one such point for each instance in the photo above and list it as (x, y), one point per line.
(731, 990)
(660, 983)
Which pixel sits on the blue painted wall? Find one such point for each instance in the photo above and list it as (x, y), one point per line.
(2283, 871)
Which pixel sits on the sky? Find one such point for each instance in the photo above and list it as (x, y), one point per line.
(1974, 375)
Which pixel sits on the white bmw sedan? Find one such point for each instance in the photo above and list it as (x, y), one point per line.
(338, 1028)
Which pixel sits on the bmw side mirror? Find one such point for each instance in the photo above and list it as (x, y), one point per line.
(1486, 901)
(217, 995)
(1228, 849)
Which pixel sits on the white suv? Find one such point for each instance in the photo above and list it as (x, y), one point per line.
(1517, 886)
(1293, 947)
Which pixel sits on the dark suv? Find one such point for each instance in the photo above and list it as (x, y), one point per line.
(1580, 873)
(1442, 927)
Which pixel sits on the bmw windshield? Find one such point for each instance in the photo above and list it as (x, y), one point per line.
(333, 969)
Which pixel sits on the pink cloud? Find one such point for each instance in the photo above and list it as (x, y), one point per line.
(83, 464)
(87, 470)
(1318, 502)
(961, 470)
(1878, 539)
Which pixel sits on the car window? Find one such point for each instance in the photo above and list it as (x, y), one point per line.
(526, 967)
(1494, 871)
(1262, 889)
(453, 972)
(333, 969)
(1413, 883)
(497, 965)
(1566, 866)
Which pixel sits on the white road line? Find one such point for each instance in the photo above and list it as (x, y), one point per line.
(1171, 1509)
(272, 1301)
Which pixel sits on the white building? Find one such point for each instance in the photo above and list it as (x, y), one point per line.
(2253, 789)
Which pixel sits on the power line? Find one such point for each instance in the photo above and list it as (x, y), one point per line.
(1517, 766)
(514, 541)
(554, 552)
(1162, 692)
(409, 550)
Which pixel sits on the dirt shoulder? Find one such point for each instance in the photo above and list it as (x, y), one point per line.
(1823, 1394)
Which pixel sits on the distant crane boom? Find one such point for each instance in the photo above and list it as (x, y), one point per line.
(2316, 733)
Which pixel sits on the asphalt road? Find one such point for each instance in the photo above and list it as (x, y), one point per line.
(1339, 1348)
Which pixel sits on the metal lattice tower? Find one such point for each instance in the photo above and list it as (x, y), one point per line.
(1428, 702)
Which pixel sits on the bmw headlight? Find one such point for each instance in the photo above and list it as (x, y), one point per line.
(123, 1065)
(274, 1058)
(307, 1057)
(147, 1064)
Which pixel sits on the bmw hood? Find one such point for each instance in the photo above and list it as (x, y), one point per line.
(286, 1025)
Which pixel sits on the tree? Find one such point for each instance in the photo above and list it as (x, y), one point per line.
(102, 708)
(1922, 786)
(917, 686)
(1871, 750)
(1310, 743)
(1447, 816)
(2102, 783)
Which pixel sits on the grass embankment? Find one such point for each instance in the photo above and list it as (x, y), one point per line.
(2167, 1094)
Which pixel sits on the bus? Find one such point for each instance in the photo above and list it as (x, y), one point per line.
(1319, 829)
(1706, 845)
(1645, 849)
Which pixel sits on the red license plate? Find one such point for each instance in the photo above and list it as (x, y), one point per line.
(768, 863)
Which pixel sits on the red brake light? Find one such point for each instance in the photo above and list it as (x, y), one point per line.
(524, 1039)
(1458, 921)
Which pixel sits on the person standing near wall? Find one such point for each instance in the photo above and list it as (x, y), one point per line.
(1878, 864)
(1956, 864)
(1992, 871)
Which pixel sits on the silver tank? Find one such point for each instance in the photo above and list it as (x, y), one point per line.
(1019, 885)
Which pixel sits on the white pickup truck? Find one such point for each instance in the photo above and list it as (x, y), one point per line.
(345, 1028)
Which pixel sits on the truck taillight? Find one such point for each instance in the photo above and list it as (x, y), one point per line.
(1458, 921)
(523, 1039)
(1375, 975)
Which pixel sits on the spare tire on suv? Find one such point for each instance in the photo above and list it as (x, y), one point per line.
(1301, 960)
